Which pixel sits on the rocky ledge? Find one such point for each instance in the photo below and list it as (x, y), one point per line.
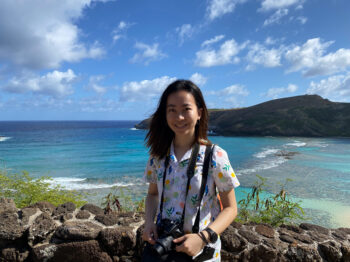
(43, 232)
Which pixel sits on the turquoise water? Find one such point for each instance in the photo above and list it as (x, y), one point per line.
(97, 155)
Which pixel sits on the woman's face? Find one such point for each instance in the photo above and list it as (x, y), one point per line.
(182, 113)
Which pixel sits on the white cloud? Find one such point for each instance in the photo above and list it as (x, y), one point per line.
(310, 58)
(94, 84)
(213, 40)
(302, 19)
(121, 28)
(259, 55)
(55, 84)
(336, 88)
(226, 54)
(276, 17)
(41, 35)
(268, 5)
(276, 92)
(229, 95)
(144, 90)
(149, 53)
(198, 79)
(185, 31)
(218, 8)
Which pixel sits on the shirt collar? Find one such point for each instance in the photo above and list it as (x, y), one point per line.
(172, 156)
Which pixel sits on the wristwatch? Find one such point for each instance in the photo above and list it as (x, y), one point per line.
(213, 237)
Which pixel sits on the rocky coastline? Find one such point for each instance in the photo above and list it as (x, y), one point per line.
(43, 232)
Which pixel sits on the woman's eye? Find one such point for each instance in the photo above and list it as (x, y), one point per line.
(188, 108)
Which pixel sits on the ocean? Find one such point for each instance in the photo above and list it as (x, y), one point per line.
(104, 156)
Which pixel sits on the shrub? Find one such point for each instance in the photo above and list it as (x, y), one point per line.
(122, 201)
(26, 190)
(274, 210)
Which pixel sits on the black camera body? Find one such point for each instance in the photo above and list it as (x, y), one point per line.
(168, 230)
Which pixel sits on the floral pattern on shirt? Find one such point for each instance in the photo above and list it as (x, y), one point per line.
(220, 176)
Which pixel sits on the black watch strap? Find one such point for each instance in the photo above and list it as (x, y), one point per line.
(213, 237)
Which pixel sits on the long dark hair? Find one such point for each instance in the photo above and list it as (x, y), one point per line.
(160, 136)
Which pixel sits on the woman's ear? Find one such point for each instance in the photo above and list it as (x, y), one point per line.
(200, 110)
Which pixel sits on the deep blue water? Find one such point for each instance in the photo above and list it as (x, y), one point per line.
(102, 154)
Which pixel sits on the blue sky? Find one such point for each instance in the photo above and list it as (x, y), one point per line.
(110, 60)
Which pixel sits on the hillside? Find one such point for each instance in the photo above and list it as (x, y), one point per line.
(306, 115)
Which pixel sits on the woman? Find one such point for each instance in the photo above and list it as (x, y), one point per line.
(178, 128)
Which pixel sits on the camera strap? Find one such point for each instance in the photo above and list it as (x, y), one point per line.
(190, 174)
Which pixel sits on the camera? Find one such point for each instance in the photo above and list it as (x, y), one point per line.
(168, 230)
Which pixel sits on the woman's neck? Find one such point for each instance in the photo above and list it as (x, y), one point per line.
(181, 145)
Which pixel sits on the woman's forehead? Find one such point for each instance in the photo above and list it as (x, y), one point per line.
(181, 98)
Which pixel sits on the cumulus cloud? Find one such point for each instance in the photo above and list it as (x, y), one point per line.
(147, 54)
(144, 90)
(260, 55)
(185, 31)
(268, 5)
(310, 58)
(336, 88)
(42, 35)
(218, 8)
(226, 54)
(276, 92)
(276, 17)
(213, 40)
(119, 32)
(55, 84)
(94, 84)
(302, 19)
(230, 95)
(198, 79)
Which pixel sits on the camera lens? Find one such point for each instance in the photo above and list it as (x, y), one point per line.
(163, 245)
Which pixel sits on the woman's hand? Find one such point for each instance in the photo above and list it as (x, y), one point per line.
(150, 233)
(191, 244)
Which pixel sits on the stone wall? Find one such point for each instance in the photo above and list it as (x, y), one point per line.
(43, 232)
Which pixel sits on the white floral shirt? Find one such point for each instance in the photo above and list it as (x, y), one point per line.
(220, 175)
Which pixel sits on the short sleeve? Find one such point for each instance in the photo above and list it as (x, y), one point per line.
(224, 176)
(150, 175)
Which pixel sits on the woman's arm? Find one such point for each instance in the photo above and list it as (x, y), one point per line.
(150, 230)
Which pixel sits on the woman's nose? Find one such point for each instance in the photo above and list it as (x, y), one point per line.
(180, 116)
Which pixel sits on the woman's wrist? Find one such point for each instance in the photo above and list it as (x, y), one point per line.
(203, 237)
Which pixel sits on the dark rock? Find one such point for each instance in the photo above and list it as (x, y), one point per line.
(345, 230)
(236, 225)
(41, 228)
(228, 256)
(13, 254)
(231, 242)
(340, 234)
(44, 206)
(313, 227)
(303, 238)
(330, 251)
(108, 220)
(293, 228)
(262, 253)
(78, 230)
(251, 237)
(345, 250)
(316, 236)
(10, 228)
(118, 241)
(64, 209)
(83, 214)
(92, 209)
(266, 231)
(26, 213)
(139, 242)
(7, 205)
(287, 238)
(302, 254)
(83, 251)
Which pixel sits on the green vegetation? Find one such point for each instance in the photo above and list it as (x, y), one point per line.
(275, 210)
(26, 190)
(120, 200)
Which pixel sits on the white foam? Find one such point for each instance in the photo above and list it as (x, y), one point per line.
(78, 184)
(266, 152)
(133, 128)
(4, 138)
(275, 162)
(296, 143)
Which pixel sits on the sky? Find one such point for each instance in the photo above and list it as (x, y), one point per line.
(111, 59)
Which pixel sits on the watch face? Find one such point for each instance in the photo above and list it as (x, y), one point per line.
(212, 235)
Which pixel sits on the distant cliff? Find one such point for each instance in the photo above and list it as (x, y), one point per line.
(306, 115)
